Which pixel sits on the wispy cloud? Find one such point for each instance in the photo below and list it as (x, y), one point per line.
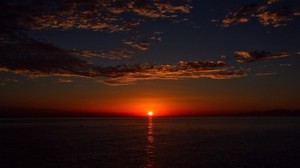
(140, 45)
(265, 14)
(115, 54)
(266, 74)
(247, 56)
(63, 80)
(285, 65)
(297, 12)
(143, 42)
(270, 2)
(5, 80)
(128, 74)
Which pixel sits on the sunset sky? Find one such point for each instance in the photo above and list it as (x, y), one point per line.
(172, 57)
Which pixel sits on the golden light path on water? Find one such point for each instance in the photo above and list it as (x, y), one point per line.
(150, 145)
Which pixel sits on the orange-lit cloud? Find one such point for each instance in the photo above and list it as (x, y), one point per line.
(247, 56)
(34, 58)
(297, 12)
(274, 18)
(140, 45)
(263, 13)
(63, 80)
(100, 15)
(128, 74)
(115, 54)
(266, 74)
(270, 2)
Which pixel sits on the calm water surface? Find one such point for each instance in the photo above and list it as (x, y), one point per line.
(150, 142)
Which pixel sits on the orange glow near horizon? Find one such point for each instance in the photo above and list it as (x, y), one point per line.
(141, 105)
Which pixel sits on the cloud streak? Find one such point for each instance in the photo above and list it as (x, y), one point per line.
(247, 56)
(115, 54)
(128, 74)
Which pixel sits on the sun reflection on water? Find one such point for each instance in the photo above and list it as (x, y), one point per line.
(150, 145)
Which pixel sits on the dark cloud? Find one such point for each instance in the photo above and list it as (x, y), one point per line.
(32, 58)
(297, 12)
(246, 56)
(263, 13)
(27, 56)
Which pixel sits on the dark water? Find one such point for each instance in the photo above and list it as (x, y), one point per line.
(146, 142)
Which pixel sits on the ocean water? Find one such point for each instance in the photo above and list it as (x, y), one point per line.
(150, 142)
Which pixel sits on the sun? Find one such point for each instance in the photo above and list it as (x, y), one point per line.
(150, 113)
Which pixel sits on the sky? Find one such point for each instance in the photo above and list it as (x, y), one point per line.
(172, 57)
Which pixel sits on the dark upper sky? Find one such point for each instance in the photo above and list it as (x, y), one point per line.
(171, 56)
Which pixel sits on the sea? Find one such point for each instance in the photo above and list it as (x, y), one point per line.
(150, 142)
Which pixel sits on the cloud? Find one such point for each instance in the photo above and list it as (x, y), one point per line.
(270, 2)
(242, 15)
(35, 59)
(115, 54)
(128, 74)
(297, 12)
(18, 16)
(285, 65)
(247, 56)
(262, 13)
(62, 80)
(140, 45)
(5, 80)
(224, 57)
(274, 18)
(266, 74)
(158, 9)
(30, 57)
(20, 54)
(99, 15)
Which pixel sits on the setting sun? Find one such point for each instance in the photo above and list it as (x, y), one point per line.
(150, 113)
